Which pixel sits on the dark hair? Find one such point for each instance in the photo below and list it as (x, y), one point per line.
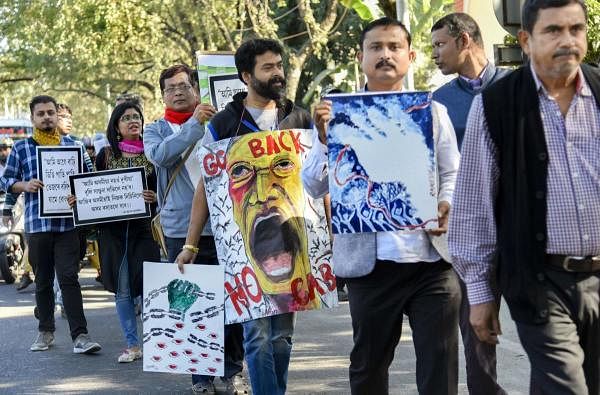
(112, 130)
(531, 10)
(173, 70)
(245, 56)
(385, 21)
(459, 23)
(63, 107)
(41, 99)
(132, 97)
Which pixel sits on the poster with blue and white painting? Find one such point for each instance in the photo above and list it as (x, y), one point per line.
(382, 163)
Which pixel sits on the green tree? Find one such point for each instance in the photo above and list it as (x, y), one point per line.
(422, 14)
(85, 52)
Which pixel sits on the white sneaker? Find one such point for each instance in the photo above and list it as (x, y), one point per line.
(130, 355)
(43, 341)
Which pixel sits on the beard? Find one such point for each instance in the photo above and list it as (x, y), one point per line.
(3, 159)
(268, 89)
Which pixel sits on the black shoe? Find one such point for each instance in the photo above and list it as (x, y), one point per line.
(25, 282)
(99, 278)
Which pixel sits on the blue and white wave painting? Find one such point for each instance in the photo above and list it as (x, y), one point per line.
(382, 162)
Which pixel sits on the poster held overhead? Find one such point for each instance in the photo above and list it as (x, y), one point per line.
(212, 63)
(223, 87)
(110, 195)
(54, 166)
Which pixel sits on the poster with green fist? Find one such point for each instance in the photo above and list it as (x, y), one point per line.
(183, 319)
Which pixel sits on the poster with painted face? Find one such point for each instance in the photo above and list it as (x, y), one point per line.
(270, 235)
(382, 164)
(183, 319)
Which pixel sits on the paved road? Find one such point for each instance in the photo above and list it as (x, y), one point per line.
(319, 361)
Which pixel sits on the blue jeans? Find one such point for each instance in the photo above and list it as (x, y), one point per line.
(125, 306)
(268, 345)
(234, 352)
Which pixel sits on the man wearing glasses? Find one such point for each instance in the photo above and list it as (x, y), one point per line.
(166, 143)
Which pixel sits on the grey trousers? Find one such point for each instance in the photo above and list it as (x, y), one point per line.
(429, 294)
(480, 357)
(565, 352)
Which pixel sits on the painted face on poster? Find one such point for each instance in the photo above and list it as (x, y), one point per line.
(269, 233)
(183, 319)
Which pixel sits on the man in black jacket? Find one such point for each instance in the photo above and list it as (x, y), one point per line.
(268, 340)
(527, 200)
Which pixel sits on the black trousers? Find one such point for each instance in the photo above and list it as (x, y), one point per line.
(565, 352)
(234, 333)
(429, 294)
(50, 252)
(480, 357)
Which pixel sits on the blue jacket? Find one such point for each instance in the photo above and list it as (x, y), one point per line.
(457, 95)
(164, 149)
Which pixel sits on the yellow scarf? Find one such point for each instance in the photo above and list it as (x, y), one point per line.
(46, 138)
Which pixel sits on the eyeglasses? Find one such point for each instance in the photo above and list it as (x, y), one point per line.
(241, 173)
(181, 87)
(131, 118)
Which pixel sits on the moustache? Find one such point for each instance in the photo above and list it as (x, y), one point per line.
(275, 80)
(564, 52)
(384, 62)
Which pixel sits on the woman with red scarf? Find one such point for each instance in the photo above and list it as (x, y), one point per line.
(125, 245)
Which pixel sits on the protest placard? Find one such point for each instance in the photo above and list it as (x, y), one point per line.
(212, 63)
(54, 166)
(110, 195)
(183, 323)
(382, 163)
(223, 87)
(271, 236)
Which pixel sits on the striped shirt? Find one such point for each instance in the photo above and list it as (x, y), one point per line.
(22, 166)
(573, 196)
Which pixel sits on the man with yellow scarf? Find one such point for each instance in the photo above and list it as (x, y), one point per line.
(53, 242)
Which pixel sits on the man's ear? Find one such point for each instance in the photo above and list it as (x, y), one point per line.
(247, 77)
(359, 56)
(523, 37)
(412, 55)
(464, 41)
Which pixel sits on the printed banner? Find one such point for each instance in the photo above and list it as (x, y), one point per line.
(108, 196)
(270, 235)
(54, 166)
(183, 319)
(212, 63)
(382, 164)
(223, 87)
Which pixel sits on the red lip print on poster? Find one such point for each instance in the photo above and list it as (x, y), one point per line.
(183, 319)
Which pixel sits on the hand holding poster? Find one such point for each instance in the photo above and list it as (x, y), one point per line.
(270, 235)
(54, 166)
(382, 163)
(111, 195)
(183, 321)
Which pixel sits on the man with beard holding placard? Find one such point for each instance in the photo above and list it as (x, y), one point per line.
(268, 340)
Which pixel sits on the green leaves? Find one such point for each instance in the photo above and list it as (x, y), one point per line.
(361, 9)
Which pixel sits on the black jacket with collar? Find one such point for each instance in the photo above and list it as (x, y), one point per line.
(512, 112)
(235, 120)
